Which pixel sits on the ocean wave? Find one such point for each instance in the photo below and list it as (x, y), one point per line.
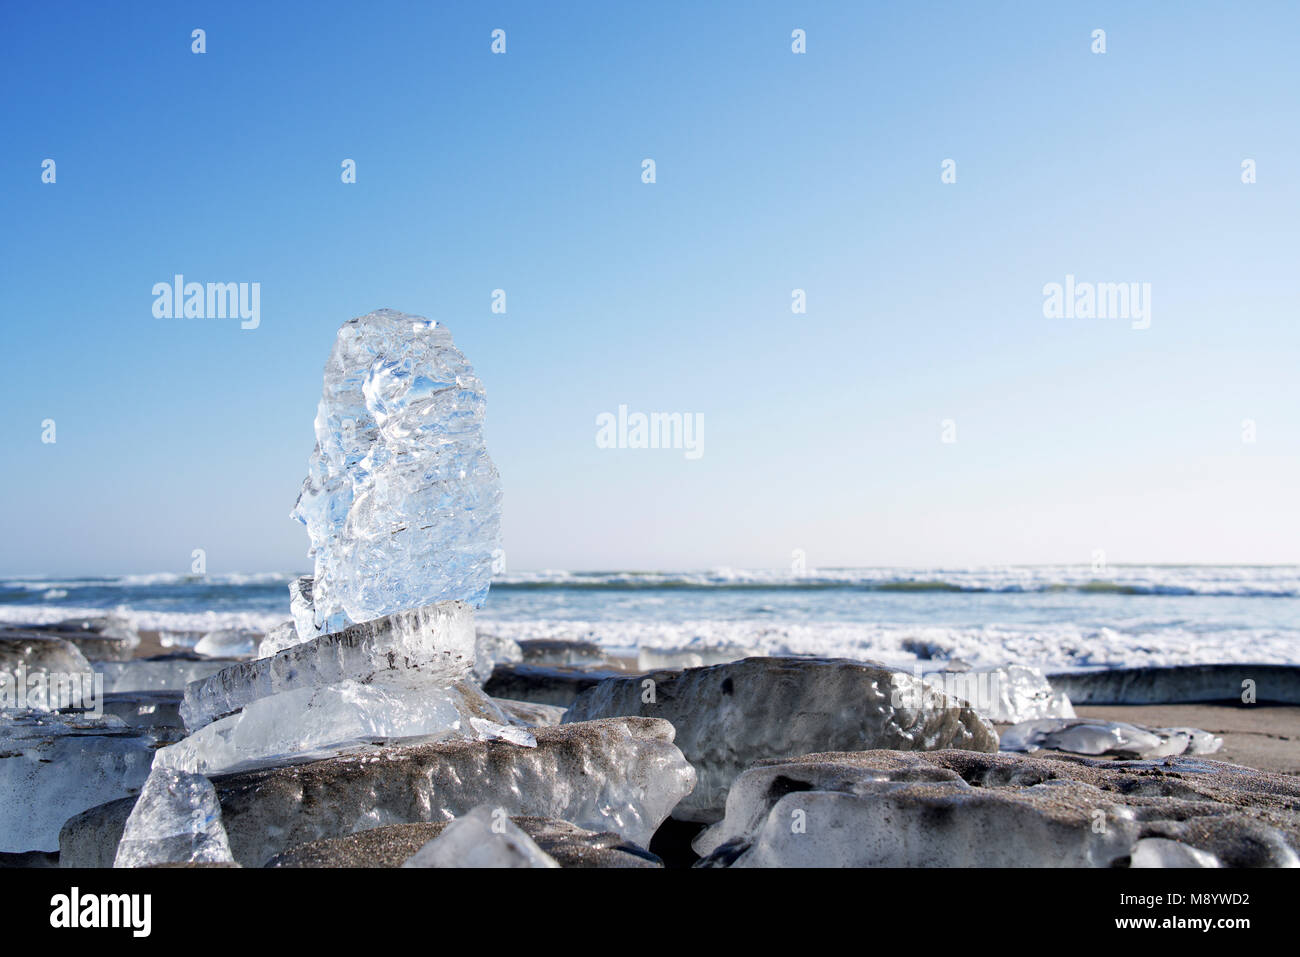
(1279, 581)
(1241, 581)
(146, 580)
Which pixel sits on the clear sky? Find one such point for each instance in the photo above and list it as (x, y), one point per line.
(774, 171)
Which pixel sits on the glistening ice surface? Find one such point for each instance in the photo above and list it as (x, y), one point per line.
(402, 502)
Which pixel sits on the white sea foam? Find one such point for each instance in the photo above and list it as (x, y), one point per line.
(1055, 646)
(199, 622)
(1050, 647)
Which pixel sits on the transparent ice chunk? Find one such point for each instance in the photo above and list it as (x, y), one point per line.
(1097, 736)
(401, 500)
(1009, 693)
(176, 820)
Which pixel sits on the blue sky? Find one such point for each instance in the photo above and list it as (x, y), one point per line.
(775, 171)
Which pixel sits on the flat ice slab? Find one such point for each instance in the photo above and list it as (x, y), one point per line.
(54, 766)
(101, 638)
(1095, 736)
(437, 640)
(321, 720)
(40, 651)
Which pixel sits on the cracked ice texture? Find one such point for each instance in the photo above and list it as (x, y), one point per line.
(401, 500)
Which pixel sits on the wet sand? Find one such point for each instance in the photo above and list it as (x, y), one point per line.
(150, 645)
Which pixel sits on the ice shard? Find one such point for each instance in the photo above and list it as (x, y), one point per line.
(401, 500)
(282, 636)
(485, 837)
(176, 820)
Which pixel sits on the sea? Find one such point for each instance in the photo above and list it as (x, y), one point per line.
(1056, 617)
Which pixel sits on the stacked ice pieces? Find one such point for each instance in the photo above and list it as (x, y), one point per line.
(402, 504)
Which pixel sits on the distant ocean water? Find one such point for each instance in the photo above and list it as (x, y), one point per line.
(1051, 616)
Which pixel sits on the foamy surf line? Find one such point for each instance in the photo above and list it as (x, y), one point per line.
(173, 621)
(1054, 647)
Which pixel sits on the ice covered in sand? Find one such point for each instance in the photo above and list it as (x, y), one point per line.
(966, 809)
(728, 716)
(622, 774)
